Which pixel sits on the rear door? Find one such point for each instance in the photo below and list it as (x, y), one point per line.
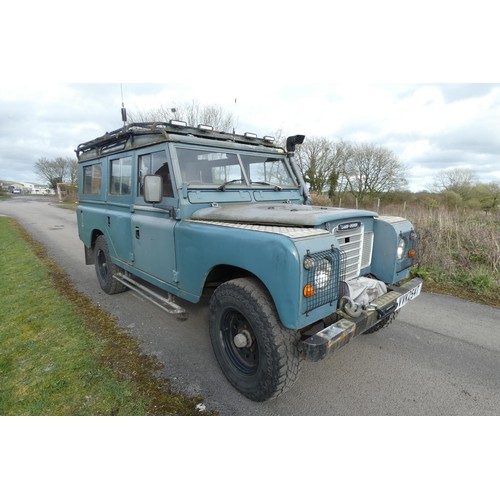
(119, 200)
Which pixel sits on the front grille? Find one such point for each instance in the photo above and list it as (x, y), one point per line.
(358, 249)
(326, 291)
(366, 256)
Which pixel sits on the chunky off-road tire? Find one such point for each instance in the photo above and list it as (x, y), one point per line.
(105, 269)
(385, 322)
(257, 354)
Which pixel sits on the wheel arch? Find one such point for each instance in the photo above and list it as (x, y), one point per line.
(223, 273)
(89, 251)
(285, 304)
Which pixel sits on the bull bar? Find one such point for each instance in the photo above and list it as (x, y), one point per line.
(335, 336)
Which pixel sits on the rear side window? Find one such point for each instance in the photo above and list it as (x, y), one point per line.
(92, 177)
(121, 176)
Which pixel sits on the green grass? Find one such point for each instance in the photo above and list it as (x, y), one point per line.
(60, 354)
(458, 253)
(477, 285)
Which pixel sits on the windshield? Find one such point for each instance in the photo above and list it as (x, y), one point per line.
(225, 169)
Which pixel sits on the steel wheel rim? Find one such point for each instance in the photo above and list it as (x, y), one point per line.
(244, 359)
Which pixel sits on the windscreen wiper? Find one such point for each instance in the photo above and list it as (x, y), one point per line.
(274, 186)
(222, 187)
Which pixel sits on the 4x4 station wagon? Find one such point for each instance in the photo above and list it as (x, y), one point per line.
(171, 210)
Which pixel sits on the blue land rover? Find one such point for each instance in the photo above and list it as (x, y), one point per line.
(171, 210)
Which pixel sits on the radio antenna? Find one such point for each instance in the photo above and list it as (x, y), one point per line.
(124, 111)
(235, 124)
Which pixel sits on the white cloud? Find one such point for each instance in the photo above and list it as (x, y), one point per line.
(429, 126)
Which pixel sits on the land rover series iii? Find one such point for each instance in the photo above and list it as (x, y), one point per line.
(175, 211)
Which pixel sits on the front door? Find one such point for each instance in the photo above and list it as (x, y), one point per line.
(152, 226)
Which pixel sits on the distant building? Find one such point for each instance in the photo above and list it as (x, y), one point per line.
(15, 188)
(26, 188)
(37, 189)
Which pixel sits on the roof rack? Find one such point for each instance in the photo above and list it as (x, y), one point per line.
(117, 139)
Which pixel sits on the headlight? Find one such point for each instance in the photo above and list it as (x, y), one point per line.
(323, 274)
(308, 262)
(401, 248)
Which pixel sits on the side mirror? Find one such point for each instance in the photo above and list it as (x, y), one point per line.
(153, 188)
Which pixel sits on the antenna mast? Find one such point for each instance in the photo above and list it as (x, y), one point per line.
(234, 124)
(124, 111)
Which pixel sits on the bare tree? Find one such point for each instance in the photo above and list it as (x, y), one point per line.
(459, 180)
(372, 170)
(320, 161)
(57, 170)
(280, 137)
(193, 113)
(344, 152)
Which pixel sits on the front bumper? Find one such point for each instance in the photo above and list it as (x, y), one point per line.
(335, 336)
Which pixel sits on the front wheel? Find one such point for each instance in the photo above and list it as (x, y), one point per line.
(258, 356)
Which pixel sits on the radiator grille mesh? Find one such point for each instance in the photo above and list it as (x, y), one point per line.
(327, 270)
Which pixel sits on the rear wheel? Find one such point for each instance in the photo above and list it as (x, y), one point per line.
(105, 269)
(259, 356)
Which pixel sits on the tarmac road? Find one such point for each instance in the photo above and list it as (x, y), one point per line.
(441, 357)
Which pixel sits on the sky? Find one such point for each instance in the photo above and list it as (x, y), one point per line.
(341, 70)
(430, 127)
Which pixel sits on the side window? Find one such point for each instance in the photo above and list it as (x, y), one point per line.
(92, 179)
(143, 170)
(155, 164)
(121, 176)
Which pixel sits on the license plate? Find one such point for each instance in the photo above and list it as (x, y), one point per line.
(410, 295)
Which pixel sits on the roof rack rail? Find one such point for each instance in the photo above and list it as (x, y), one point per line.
(117, 139)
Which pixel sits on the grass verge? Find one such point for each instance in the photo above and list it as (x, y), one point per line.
(60, 354)
(478, 286)
(459, 253)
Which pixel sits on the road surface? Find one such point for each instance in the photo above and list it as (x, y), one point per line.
(441, 357)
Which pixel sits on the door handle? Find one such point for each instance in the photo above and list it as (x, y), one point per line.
(137, 233)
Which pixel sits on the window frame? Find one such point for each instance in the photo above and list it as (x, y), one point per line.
(152, 169)
(92, 168)
(245, 174)
(112, 163)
